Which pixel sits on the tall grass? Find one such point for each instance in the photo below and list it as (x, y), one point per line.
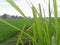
(57, 37)
(42, 28)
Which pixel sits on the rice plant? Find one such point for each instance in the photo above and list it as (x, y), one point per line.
(42, 29)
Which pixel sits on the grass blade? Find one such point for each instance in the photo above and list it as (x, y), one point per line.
(37, 25)
(20, 36)
(56, 23)
(17, 8)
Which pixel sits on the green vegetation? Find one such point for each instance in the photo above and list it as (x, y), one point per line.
(40, 30)
(7, 32)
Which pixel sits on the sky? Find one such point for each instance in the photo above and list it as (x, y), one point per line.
(5, 7)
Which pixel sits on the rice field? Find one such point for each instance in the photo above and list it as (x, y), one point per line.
(7, 32)
(38, 31)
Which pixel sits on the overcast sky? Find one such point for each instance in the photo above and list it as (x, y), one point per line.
(5, 7)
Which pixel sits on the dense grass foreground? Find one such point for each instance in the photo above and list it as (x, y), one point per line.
(42, 30)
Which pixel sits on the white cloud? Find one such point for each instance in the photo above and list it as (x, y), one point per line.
(3, 3)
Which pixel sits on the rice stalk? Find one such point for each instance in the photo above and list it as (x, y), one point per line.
(12, 3)
(20, 36)
(57, 27)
